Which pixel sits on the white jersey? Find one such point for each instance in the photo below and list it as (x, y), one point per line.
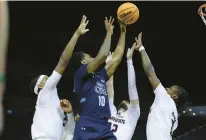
(48, 117)
(123, 125)
(69, 128)
(163, 116)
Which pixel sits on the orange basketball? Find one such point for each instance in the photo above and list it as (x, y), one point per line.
(128, 13)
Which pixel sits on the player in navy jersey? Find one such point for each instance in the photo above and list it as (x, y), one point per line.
(91, 87)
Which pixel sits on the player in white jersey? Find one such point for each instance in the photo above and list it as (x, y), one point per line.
(124, 121)
(69, 120)
(48, 117)
(163, 116)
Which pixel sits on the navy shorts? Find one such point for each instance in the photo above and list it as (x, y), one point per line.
(93, 129)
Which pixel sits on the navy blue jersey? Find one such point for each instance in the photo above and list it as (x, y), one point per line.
(92, 91)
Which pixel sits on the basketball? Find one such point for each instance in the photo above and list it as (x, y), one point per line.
(128, 13)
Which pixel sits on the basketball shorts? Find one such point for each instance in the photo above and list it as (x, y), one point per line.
(93, 129)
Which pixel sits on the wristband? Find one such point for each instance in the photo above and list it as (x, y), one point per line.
(141, 48)
(2, 77)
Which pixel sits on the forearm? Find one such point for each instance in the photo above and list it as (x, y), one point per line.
(146, 63)
(133, 94)
(110, 88)
(3, 33)
(119, 51)
(105, 48)
(68, 51)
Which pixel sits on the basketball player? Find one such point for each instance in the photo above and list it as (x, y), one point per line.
(123, 122)
(4, 25)
(91, 87)
(163, 116)
(69, 120)
(48, 117)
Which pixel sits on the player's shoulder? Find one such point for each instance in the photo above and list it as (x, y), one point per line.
(160, 88)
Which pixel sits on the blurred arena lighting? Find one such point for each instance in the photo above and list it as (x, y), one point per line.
(193, 111)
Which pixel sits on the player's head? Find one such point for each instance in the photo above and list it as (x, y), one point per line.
(178, 94)
(38, 83)
(80, 58)
(123, 106)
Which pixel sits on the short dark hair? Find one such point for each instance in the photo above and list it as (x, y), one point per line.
(123, 105)
(33, 83)
(76, 60)
(182, 96)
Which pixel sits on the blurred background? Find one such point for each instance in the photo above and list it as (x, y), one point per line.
(173, 35)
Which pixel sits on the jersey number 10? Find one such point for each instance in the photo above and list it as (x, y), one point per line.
(101, 100)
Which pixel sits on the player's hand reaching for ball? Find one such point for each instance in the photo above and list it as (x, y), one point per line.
(109, 57)
(82, 27)
(122, 27)
(138, 41)
(109, 24)
(66, 106)
(130, 52)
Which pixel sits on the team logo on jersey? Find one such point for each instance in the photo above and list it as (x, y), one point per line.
(82, 100)
(100, 88)
(114, 119)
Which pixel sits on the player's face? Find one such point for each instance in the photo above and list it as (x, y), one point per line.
(172, 91)
(86, 58)
(123, 106)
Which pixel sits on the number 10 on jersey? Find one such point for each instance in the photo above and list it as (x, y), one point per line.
(101, 100)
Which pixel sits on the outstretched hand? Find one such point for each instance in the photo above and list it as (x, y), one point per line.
(82, 27)
(109, 24)
(66, 106)
(138, 42)
(130, 52)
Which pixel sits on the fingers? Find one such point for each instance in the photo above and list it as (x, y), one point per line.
(134, 44)
(128, 50)
(112, 27)
(87, 22)
(86, 30)
(64, 102)
(83, 19)
(106, 20)
(140, 36)
(110, 21)
(136, 39)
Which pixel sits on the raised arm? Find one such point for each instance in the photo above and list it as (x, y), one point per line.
(105, 48)
(118, 53)
(110, 82)
(67, 53)
(133, 94)
(4, 25)
(146, 63)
